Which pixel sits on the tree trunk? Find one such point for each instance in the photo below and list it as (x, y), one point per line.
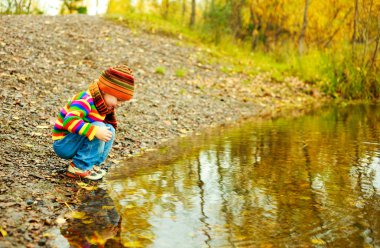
(366, 35)
(236, 24)
(375, 51)
(165, 8)
(355, 28)
(192, 16)
(329, 40)
(301, 40)
(254, 26)
(183, 9)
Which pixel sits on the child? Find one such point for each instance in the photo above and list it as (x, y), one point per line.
(85, 128)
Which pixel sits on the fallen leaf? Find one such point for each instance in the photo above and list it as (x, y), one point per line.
(318, 242)
(47, 235)
(85, 186)
(108, 207)
(77, 215)
(87, 221)
(132, 244)
(3, 232)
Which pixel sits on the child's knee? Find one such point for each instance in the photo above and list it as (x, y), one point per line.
(111, 128)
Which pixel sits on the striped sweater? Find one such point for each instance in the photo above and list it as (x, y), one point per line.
(77, 116)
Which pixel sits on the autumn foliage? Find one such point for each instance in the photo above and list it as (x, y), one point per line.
(344, 35)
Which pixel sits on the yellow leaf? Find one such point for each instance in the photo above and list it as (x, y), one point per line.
(47, 235)
(107, 207)
(305, 198)
(318, 242)
(82, 184)
(87, 221)
(3, 232)
(85, 186)
(96, 239)
(266, 245)
(77, 215)
(132, 244)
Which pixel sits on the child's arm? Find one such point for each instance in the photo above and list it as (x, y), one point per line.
(73, 121)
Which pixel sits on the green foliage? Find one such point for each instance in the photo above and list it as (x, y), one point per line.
(73, 6)
(181, 72)
(18, 7)
(82, 10)
(216, 22)
(160, 70)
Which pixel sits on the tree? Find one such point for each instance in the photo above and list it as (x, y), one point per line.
(192, 15)
(165, 8)
(236, 19)
(301, 40)
(355, 28)
(16, 7)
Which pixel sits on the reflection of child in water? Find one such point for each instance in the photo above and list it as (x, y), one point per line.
(100, 224)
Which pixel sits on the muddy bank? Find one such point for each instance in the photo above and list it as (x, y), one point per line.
(45, 60)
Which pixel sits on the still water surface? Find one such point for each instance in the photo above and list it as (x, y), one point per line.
(313, 181)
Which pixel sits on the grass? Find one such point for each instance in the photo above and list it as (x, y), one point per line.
(160, 70)
(180, 72)
(328, 70)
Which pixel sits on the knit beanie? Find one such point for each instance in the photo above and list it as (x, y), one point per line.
(117, 81)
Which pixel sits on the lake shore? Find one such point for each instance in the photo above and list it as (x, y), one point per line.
(45, 60)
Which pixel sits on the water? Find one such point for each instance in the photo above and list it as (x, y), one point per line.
(312, 181)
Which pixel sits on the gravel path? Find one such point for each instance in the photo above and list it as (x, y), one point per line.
(45, 60)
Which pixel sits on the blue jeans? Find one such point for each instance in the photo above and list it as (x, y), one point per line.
(84, 153)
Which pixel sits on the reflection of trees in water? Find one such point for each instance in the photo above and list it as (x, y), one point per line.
(293, 181)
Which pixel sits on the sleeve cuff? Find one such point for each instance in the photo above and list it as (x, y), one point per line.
(91, 135)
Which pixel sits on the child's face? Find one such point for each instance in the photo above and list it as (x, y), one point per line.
(112, 101)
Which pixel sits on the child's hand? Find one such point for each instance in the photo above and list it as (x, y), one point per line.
(104, 134)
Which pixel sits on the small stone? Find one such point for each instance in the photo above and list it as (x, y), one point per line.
(29, 201)
(42, 242)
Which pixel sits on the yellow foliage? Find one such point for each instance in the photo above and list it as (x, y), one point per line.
(119, 7)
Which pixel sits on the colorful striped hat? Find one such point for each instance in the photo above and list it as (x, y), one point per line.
(117, 81)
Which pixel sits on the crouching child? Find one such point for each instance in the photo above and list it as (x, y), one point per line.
(85, 128)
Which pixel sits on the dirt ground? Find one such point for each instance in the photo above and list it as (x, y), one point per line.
(45, 60)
